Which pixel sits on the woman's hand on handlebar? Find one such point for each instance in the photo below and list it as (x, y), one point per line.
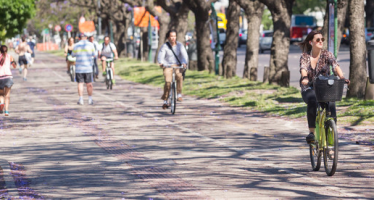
(347, 81)
(305, 81)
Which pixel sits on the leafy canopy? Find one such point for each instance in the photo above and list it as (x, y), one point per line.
(14, 15)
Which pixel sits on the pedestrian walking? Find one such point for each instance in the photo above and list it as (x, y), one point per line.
(84, 51)
(6, 79)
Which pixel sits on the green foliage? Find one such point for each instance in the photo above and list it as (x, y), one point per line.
(56, 13)
(267, 20)
(300, 6)
(14, 15)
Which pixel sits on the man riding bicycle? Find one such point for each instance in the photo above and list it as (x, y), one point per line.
(172, 53)
(107, 51)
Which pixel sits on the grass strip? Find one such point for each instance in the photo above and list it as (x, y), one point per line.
(275, 100)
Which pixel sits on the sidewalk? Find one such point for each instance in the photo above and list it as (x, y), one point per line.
(126, 146)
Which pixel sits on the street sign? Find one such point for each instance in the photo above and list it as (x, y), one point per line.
(68, 28)
(45, 31)
(57, 28)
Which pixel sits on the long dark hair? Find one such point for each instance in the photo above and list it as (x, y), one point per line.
(168, 33)
(305, 46)
(3, 50)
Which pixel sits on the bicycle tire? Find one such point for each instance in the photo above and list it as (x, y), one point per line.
(110, 79)
(332, 143)
(173, 99)
(72, 73)
(315, 156)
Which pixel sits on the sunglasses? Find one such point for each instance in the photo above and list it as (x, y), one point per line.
(320, 39)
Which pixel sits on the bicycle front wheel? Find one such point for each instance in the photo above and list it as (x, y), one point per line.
(330, 152)
(315, 156)
(173, 98)
(110, 79)
(72, 73)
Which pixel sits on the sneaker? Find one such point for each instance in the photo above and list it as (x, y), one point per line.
(80, 102)
(1, 108)
(165, 106)
(310, 138)
(90, 102)
(20, 70)
(104, 73)
(113, 81)
(6, 113)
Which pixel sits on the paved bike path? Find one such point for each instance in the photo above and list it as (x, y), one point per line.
(126, 146)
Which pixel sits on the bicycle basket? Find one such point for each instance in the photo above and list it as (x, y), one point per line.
(329, 90)
(71, 58)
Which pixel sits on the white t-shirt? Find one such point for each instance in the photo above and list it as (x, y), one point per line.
(107, 51)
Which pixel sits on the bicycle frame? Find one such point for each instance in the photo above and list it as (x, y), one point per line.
(322, 118)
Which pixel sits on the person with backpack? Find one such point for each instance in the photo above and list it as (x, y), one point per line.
(108, 51)
(172, 53)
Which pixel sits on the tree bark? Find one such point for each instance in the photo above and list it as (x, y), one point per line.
(231, 44)
(369, 10)
(163, 20)
(253, 11)
(205, 55)
(178, 11)
(342, 14)
(357, 68)
(281, 11)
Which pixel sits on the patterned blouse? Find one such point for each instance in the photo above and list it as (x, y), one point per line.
(323, 67)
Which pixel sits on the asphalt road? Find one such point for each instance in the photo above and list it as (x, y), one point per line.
(126, 147)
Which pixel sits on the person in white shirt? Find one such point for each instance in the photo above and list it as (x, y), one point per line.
(97, 47)
(108, 51)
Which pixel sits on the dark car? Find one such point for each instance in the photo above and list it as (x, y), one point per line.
(266, 38)
(243, 34)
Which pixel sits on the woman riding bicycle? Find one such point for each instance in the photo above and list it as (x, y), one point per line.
(68, 51)
(6, 78)
(172, 53)
(315, 61)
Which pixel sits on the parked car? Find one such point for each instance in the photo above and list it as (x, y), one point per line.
(266, 38)
(345, 37)
(243, 34)
(369, 33)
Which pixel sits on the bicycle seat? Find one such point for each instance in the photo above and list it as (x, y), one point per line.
(109, 60)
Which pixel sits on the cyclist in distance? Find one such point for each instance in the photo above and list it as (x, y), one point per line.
(172, 53)
(68, 51)
(315, 61)
(32, 45)
(107, 51)
(96, 45)
(6, 78)
(21, 49)
(84, 51)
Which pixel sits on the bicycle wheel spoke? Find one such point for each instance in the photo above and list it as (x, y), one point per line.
(330, 152)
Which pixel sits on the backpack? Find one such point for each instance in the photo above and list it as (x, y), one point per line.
(109, 47)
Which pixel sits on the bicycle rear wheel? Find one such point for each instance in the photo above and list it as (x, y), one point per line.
(330, 153)
(173, 103)
(315, 156)
(72, 73)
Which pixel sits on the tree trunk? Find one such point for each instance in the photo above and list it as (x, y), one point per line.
(357, 68)
(201, 10)
(253, 11)
(179, 22)
(342, 14)
(369, 10)
(281, 11)
(231, 44)
(204, 51)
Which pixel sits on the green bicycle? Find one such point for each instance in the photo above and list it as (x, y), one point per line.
(326, 134)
